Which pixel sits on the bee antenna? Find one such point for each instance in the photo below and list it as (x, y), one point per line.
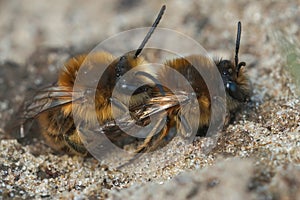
(154, 25)
(237, 47)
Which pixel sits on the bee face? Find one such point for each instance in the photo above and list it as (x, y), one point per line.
(236, 83)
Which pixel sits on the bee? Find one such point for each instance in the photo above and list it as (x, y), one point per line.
(237, 88)
(54, 106)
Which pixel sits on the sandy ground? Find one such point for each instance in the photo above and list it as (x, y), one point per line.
(256, 157)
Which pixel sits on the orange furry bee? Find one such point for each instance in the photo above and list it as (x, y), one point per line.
(55, 106)
(236, 83)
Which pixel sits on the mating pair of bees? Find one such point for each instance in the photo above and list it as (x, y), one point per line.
(55, 107)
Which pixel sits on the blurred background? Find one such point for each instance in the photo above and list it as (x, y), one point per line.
(31, 24)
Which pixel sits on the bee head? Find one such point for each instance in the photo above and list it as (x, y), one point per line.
(127, 62)
(133, 59)
(123, 65)
(141, 77)
(231, 74)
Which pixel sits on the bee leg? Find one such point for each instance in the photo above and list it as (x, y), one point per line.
(74, 143)
(159, 140)
(229, 119)
(186, 133)
(56, 142)
(143, 148)
(186, 126)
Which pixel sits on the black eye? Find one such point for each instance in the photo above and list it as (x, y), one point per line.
(231, 87)
(234, 91)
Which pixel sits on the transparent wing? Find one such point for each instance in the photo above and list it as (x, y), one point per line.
(45, 99)
(161, 103)
(141, 114)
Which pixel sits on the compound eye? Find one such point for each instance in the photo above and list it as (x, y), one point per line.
(235, 92)
(231, 87)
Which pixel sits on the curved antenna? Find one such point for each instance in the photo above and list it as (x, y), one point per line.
(237, 47)
(154, 25)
